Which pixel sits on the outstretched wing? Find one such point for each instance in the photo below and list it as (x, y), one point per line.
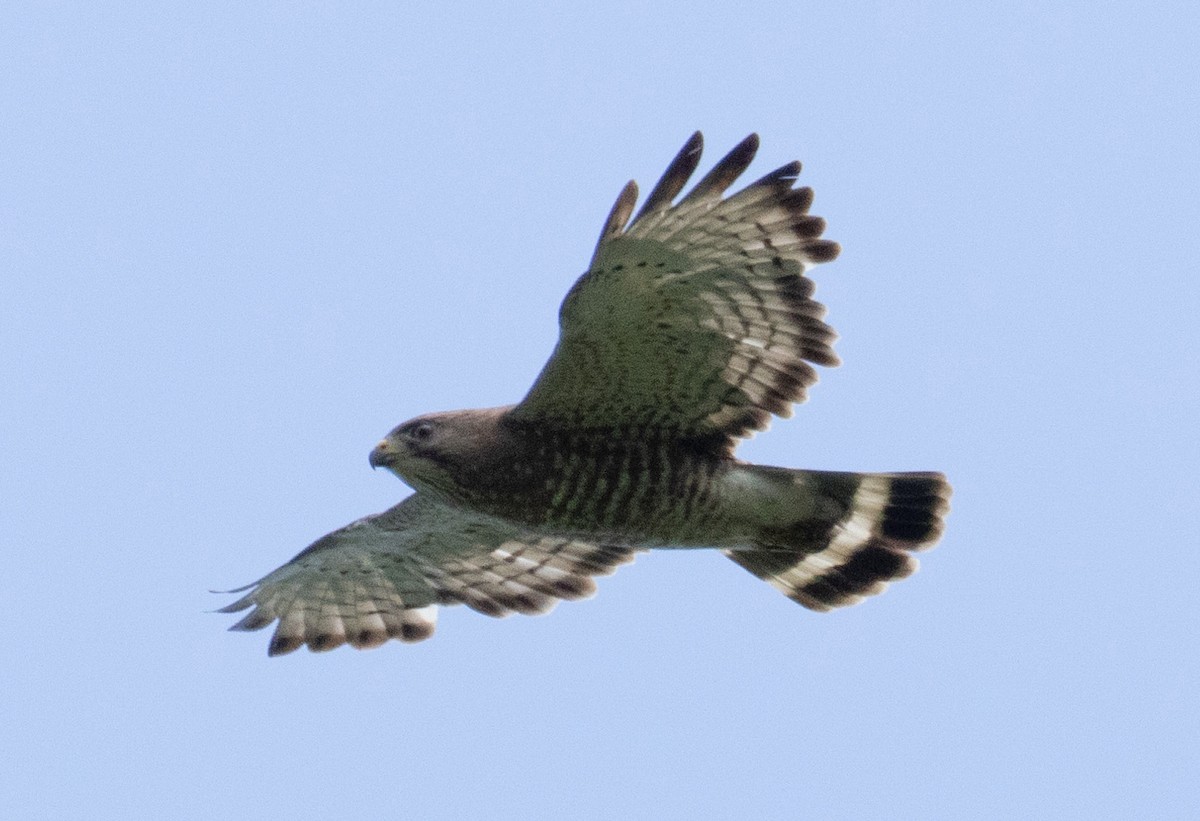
(697, 317)
(384, 576)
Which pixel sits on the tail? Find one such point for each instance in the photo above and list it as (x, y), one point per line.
(832, 539)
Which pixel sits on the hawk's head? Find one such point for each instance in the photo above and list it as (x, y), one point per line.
(436, 451)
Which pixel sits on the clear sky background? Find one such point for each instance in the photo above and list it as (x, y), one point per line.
(240, 241)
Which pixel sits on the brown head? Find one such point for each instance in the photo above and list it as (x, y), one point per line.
(441, 452)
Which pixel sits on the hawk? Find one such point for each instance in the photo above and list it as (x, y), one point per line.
(693, 324)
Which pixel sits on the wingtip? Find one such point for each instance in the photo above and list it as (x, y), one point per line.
(727, 169)
(241, 589)
(747, 147)
(622, 209)
(282, 645)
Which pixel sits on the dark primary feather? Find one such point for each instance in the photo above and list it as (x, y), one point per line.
(722, 175)
(675, 177)
(614, 224)
(697, 317)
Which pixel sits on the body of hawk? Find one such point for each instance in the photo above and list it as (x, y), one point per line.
(693, 325)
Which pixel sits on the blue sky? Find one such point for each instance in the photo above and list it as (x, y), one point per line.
(239, 242)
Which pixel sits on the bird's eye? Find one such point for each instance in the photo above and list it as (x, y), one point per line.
(421, 432)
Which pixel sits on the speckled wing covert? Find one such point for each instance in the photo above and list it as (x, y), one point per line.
(696, 317)
(384, 576)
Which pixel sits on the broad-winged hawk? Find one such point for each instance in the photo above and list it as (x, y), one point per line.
(693, 324)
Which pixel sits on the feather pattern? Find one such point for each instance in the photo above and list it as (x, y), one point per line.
(384, 576)
(696, 317)
(871, 524)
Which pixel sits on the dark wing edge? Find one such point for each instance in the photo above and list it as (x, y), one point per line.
(760, 242)
(791, 231)
(384, 576)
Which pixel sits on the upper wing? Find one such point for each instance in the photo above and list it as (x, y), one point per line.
(697, 317)
(383, 576)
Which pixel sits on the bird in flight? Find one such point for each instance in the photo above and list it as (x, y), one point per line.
(693, 324)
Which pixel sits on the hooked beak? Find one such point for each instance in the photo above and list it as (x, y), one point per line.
(383, 455)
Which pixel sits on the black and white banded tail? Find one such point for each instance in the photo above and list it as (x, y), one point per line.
(852, 533)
